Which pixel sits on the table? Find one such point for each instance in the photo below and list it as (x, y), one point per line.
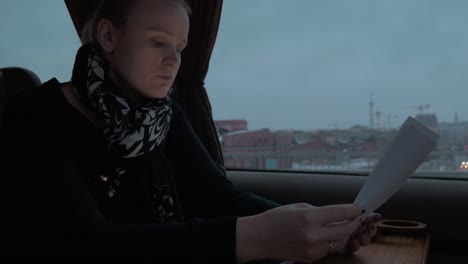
(397, 242)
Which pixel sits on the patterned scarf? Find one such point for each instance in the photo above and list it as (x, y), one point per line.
(130, 130)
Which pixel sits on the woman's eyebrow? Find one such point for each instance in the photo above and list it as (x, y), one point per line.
(162, 29)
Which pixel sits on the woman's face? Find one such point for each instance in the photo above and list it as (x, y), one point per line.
(146, 51)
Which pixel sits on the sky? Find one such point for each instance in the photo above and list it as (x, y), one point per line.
(295, 64)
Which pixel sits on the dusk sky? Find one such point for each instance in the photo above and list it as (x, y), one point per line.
(295, 64)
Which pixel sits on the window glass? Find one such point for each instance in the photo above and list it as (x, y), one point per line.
(39, 36)
(324, 85)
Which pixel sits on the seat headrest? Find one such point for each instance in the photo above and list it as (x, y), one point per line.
(17, 79)
(3, 97)
(14, 80)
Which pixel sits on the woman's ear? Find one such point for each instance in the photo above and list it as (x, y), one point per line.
(106, 35)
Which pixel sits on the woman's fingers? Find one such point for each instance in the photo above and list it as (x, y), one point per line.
(374, 217)
(339, 213)
(364, 239)
(372, 230)
(352, 246)
(363, 235)
(369, 225)
(341, 230)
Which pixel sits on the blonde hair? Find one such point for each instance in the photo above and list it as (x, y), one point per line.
(117, 12)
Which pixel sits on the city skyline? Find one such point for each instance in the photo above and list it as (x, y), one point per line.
(334, 126)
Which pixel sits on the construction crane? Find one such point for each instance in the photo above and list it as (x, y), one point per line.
(420, 107)
(379, 114)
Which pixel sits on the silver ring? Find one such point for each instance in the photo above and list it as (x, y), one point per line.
(330, 247)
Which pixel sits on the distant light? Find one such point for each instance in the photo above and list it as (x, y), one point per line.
(464, 165)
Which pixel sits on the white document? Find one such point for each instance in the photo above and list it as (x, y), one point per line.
(409, 149)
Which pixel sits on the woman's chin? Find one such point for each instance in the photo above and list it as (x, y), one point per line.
(159, 94)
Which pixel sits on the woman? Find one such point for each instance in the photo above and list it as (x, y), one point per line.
(110, 165)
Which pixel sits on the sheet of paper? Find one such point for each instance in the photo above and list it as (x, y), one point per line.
(409, 149)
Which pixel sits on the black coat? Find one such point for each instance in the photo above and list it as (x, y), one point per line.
(52, 204)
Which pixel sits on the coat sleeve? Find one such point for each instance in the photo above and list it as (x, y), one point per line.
(204, 189)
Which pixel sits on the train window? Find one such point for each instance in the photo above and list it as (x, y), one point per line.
(324, 85)
(40, 36)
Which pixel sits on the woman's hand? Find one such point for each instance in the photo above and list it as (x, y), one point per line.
(363, 235)
(297, 232)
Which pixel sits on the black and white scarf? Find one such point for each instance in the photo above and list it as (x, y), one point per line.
(130, 130)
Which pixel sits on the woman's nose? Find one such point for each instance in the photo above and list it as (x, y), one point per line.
(172, 58)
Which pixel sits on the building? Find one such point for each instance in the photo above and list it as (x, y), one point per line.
(429, 120)
(259, 149)
(227, 126)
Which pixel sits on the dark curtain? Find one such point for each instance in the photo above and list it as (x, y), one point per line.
(190, 89)
(80, 11)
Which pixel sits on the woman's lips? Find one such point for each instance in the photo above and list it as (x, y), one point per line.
(167, 78)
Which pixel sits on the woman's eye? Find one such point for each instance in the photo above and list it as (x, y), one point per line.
(157, 44)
